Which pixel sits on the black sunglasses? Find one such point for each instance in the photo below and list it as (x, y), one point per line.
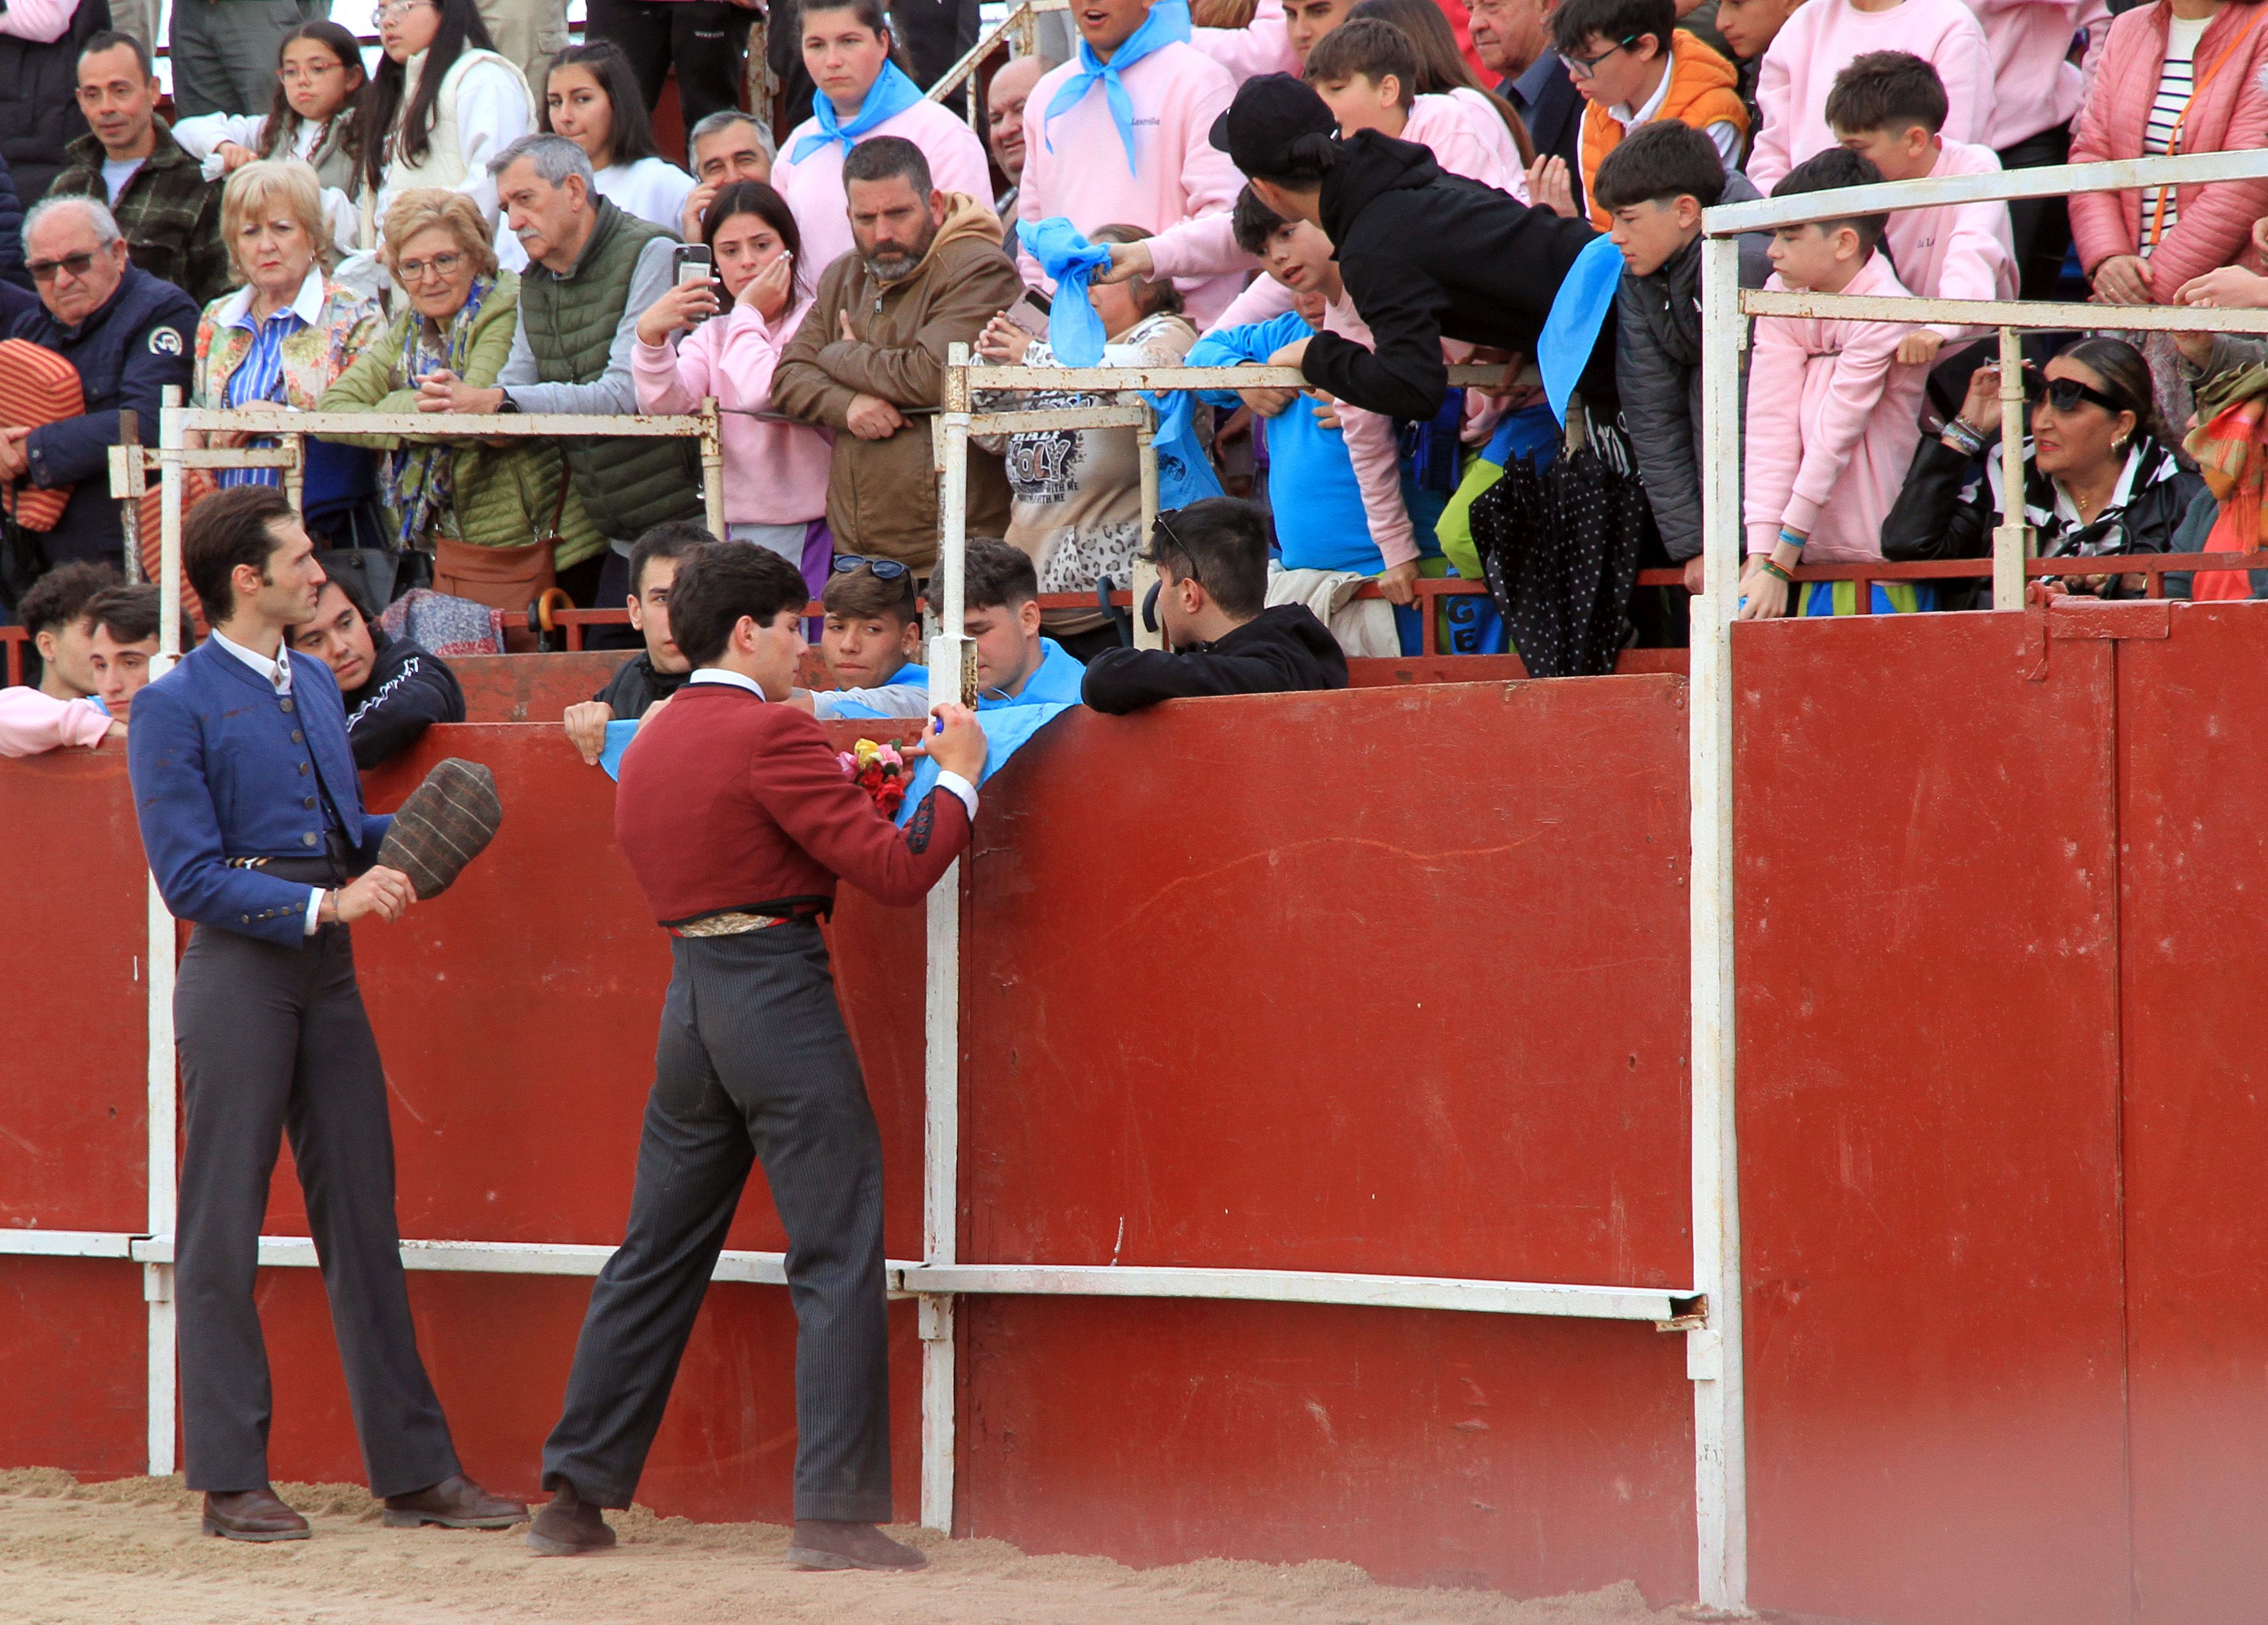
(2065, 393)
(1185, 565)
(884, 569)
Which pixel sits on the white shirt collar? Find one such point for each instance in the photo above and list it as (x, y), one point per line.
(275, 672)
(718, 673)
(307, 304)
(1645, 114)
(2121, 495)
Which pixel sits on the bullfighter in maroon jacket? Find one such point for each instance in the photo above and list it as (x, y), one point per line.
(736, 820)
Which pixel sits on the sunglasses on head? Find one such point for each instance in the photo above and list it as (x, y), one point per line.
(884, 569)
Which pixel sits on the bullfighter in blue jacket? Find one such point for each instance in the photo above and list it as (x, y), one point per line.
(252, 817)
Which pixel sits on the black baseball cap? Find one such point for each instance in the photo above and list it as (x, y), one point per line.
(1270, 112)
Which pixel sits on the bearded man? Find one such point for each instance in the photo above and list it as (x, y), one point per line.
(926, 271)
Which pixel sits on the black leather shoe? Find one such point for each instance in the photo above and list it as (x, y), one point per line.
(455, 1502)
(568, 1527)
(822, 1543)
(252, 1515)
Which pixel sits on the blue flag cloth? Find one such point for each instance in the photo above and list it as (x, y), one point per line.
(1168, 22)
(1074, 331)
(619, 735)
(891, 94)
(1006, 729)
(1184, 472)
(1577, 314)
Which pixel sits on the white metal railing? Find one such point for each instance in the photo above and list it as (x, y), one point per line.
(1019, 29)
(1714, 1354)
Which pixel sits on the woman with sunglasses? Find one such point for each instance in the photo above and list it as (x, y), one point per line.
(590, 96)
(693, 342)
(444, 102)
(318, 84)
(2100, 477)
(863, 90)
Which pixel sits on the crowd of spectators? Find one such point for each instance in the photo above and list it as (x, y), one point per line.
(482, 219)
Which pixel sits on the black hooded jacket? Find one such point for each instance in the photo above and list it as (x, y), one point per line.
(1426, 256)
(408, 691)
(1279, 651)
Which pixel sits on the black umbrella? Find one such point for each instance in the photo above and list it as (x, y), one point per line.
(1559, 545)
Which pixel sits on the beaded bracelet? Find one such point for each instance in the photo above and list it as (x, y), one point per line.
(1970, 442)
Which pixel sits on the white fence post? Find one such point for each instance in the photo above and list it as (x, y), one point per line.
(157, 1279)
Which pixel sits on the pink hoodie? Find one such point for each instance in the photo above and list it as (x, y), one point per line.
(774, 473)
(1261, 46)
(1375, 452)
(1443, 125)
(31, 722)
(1831, 425)
(1075, 165)
(1819, 42)
(2034, 85)
(1957, 251)
(814, 188)
(2213, 225)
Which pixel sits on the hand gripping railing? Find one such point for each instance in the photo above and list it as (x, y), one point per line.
(1715, 1356)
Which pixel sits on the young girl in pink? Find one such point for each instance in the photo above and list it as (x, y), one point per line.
(1832, 417)
(1823, 39)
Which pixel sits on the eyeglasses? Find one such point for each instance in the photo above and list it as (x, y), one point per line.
(77, 265)
(311, 70)
(1584, 67)
(1185, 567)
(884, 569)
(2065, 393)
(402, 8)
(439, 265)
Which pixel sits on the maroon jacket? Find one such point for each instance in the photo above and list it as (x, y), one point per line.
(728, 803)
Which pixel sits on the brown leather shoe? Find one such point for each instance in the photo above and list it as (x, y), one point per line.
(455, 1502)
(252, 1515)
(822, 1543)
(568, 1527)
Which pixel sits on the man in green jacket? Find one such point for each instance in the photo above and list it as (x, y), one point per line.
(592, 270)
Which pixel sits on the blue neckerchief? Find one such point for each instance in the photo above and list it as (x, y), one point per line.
(907, 672)
(1185, 471)
(891, 94)
(1586, 294)
(1006, 729)
(1074, 331)
(1168, 22)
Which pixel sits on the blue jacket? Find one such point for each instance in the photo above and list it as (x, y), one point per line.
(223, 767)
(143, 339)
(1321, 523)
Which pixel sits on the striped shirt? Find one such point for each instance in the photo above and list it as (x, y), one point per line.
(2176, 82)
(260, 375)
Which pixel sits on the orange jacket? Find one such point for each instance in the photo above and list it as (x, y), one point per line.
(1703, 90)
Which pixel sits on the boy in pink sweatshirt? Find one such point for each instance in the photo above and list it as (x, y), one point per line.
(1887, 106)
(1157, 170)
(1832, 416)
(1825, 36)
(31, 722)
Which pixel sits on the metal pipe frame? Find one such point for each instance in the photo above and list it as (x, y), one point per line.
(1014, 29)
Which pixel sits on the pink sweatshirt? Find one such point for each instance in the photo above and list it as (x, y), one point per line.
(1261, 46)
(1489, 124)
(1819, 42)
(774, 473)
(1957, 251)
(2213, 225)
(1443, 125)
(1376, 451)
(2034, 85)
(1075, 165)
(1831, 425)
(31, 722)
(814, 188)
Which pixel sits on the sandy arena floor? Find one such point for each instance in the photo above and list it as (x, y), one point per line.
(130, 1551)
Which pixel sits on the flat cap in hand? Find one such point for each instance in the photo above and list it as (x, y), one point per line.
(444, 825)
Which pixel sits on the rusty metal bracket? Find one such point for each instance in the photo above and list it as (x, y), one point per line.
(2074, 619)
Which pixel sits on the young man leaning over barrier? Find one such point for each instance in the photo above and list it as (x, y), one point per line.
(651, 676)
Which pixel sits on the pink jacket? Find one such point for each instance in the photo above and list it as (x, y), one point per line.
(2228, 112)
(1445, 125)
(1819, 42)
(1075, 165)
(1261, 46)
(2034, 85)
(814, 188)
(1376, 451)
(1831, 426)
(774, 473)
(1957, 251)
(1494, 135)
(31, 722)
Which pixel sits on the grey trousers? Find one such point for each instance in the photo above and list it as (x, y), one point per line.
(753, 1064)
(225, 52)
(272, 1041)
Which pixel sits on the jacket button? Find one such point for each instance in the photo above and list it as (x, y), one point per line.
(309, 803)
(303, 768)
(244, 919)
(287, 702)
(308, 839)
(297, 737)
